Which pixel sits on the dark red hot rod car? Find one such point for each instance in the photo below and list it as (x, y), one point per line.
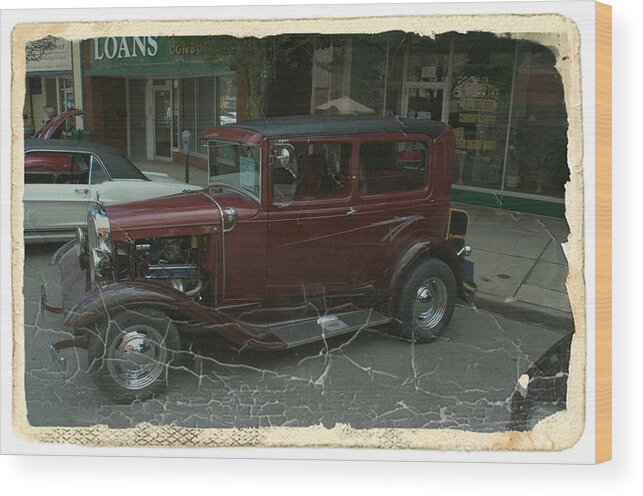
(313, 226)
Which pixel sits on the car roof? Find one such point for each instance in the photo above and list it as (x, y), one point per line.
(68, 145)
(118, 166)
(329, 125)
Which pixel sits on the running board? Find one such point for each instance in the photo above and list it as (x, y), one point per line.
(326, 326)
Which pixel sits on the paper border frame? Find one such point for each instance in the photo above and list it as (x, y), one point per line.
(576, 11)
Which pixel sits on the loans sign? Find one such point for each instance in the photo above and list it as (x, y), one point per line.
(125, 47)
(141, 56)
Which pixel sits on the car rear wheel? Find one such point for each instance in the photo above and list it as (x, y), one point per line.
(426, 300)
(131, 353)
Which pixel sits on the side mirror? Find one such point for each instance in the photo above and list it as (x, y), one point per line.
(284, 156)
(284, 174)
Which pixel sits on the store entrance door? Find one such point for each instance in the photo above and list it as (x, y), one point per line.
(426, 101)
(163, 122)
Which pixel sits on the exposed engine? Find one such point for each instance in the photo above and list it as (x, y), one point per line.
(176, 261)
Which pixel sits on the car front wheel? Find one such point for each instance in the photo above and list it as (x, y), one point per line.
(426, 300)
(131, 353)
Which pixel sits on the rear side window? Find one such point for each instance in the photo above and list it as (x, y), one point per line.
(98, 173)
(50, 167)
(120, 167)
(392, 166)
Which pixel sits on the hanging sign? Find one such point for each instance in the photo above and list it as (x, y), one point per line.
(57, 59)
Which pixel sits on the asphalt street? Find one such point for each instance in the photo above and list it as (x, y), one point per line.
(462, 380)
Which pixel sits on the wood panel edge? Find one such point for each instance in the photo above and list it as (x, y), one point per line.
(603, 145)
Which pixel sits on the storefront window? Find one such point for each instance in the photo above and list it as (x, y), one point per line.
(503, 98)
(137, 137)
(48, 97)
(207, 102)
(350, 77)
(51, 95)
(368, 72)
(188, 110)
(163, 120)
(331, 79)
(480, 98)
(425, 103)
(67, 99)
(395, 75)
(428, 60)
(176, 129)
(321, 77)
(206, 110)
(32, 112)
(227, 100)
(537, 152)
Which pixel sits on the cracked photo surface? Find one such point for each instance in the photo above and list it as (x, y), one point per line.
(361, 233)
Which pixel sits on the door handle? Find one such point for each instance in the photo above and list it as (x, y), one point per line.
(82, 190)
(351, 211)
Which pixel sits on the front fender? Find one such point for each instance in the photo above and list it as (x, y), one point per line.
(62, 252)
(99, 302)
(74, 278)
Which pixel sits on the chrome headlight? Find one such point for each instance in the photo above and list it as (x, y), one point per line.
(99, 246)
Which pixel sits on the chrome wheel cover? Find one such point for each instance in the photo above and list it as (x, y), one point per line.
(137, 357)
(430, 304)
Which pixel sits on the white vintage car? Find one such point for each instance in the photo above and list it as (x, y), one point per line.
(62, 179)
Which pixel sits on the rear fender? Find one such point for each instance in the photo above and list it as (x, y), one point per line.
(437, 248)
(445, 252)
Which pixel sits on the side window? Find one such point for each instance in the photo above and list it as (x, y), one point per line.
(98, 173)
(324, 172)
(392, 166)
(79, 170)
(80, 163)
(51, 167)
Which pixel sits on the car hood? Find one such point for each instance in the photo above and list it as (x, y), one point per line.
(195, 212)
(52, 126)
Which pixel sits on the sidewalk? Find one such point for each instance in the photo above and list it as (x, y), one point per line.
(520, 266)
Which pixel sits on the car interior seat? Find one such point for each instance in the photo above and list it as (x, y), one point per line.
(313, 171)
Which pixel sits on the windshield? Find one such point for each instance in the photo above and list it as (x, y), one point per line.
(236, 165)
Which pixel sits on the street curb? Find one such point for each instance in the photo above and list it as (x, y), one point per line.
(524, 311)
